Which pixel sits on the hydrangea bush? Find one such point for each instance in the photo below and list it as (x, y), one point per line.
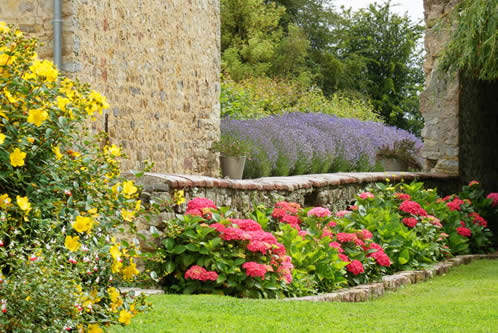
(61, 200)
(301, 143)
(206, 251)
(294, 251)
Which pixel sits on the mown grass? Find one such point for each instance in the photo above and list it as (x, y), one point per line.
(465, 300)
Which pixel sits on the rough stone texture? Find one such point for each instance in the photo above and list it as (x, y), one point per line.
(439, 103)
(158, 64)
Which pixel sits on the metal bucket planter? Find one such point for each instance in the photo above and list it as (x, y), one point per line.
(393, 164)
(232, 166)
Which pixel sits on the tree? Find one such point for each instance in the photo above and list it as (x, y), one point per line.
(250, 35)
(393, 75)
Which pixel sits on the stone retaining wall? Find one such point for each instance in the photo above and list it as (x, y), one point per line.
(335, 191)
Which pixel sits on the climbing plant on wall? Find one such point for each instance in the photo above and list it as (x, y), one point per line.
(473, 46)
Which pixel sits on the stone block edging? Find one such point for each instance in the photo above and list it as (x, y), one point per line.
(365, 292)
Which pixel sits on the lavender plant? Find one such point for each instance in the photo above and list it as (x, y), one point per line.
(301, 143)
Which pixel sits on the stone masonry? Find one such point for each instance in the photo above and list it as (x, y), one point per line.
(439, 103)
(158, 64)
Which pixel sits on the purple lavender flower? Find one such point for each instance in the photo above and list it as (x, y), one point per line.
(297, 143)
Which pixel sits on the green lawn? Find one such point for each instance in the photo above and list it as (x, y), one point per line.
(465, 300)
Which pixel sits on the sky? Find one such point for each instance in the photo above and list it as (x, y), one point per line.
(414, 8)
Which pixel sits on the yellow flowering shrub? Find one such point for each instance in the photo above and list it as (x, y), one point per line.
(61, 202)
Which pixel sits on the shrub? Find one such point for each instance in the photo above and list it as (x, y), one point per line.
(260, 97)
(204, 251)
(61, 201)
(300, 143)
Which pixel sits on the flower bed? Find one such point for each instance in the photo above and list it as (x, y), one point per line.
(294, 251)
(301, 143)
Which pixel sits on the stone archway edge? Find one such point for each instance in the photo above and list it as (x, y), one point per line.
(366, 292)
(162, 182)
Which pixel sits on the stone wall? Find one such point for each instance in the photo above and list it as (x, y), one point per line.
(158, 64)
(439, 103)
(335, 191)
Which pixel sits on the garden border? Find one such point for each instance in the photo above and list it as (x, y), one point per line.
(366, 292)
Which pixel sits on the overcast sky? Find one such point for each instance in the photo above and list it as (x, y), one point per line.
(414, 8)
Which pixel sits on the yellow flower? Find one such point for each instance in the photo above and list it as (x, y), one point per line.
(3, 27)
(57, 153)
(17, 158)
(114, 251)
(94, 328)
(4, 200)
(83, 224)
(113, 294)
(125, 317)
(62, 102)
(2, 138)
(44, 68)
(6, 59)
(113, 150)
(127, 215)
(37, 116)
(179, 197)
(23, 203)
(116, 266)
(138, 205)
(72, 243)
(130, 271)
(129, 188)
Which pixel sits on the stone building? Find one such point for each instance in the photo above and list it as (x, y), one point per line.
(156, 61)
(461, 113)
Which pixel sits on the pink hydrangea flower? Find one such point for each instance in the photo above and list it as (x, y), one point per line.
(366, 195)
(337, 246)
(494, 197)
(409, 222)
(381, 258)
(259, 246)
(344, 237)
(247, 225)
(355, 267)
(303, 233)
(200, 273)
(342, 213)
(218, 226)
(344, 257)
(478, 219)
(319, 212)
(234, 234)
(402, 196)
(465, 232)
(412, 207)
(254, 269)
(364, 234)
(200, 203)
